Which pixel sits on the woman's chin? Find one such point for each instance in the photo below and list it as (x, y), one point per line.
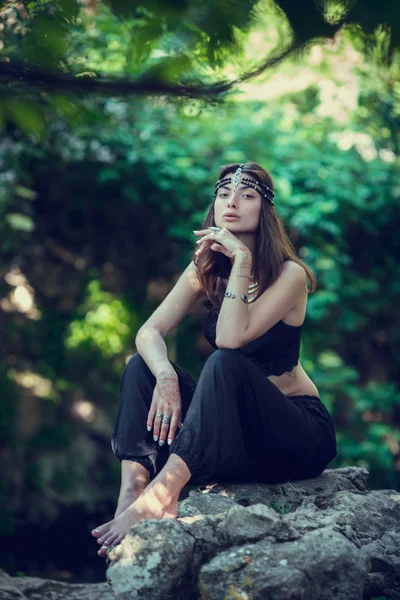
(229, 225)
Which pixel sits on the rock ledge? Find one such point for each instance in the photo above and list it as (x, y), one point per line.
(324, 538)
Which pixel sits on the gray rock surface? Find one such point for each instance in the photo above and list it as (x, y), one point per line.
(316, 539)
(34, 588)
(321, 564)
(324, 538)
(145, 557)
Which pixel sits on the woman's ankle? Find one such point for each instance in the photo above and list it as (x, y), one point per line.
(172, 478)
(134, 476)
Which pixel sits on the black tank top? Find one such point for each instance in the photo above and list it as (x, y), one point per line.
(274, 352)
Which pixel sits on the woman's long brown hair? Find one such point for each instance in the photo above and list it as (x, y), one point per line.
(273, 247)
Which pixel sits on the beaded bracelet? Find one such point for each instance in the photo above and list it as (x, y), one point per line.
(242, 297)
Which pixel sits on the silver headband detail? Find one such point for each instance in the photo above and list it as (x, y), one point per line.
(237, 178)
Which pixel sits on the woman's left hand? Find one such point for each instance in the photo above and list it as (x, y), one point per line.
(219, 241)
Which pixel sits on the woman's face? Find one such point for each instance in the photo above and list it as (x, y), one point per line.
(246, 203)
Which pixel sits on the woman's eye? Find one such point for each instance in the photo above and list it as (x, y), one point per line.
(246, 195)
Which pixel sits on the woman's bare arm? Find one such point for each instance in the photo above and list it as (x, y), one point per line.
(150, 338)
(153, 350)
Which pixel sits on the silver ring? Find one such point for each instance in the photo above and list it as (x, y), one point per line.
(214, 228)
(158, 415)
(166, 419)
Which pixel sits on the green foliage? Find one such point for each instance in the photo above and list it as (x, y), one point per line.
(97, 214)
(117, 186)
(102, 322)
(20, 222)
(176, 51)
(281, 506)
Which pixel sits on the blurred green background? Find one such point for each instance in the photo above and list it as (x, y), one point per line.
(113, 130)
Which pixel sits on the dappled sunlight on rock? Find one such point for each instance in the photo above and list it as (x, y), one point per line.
(307, 537)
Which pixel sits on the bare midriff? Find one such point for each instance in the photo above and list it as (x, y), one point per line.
(295, 382)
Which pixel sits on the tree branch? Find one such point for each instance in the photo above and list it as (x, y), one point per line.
(14, 74)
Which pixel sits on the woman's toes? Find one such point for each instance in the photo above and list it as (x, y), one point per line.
(112, 541)
(105, 535)
(103, 551)
(110, 544)
(98, 532)
(110, 538)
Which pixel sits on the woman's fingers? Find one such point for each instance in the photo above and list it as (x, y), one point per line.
(166, 402)
(203, 242)
(164, 431)
(168, 430)
(150, 418)
(201, 247)
(201, 231)
(157, 425)
(173, 427)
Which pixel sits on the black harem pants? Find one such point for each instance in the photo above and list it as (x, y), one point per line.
(237, 425)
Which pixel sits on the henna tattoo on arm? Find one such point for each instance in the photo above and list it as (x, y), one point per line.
(244, 262)
(168, 388)
(244, 268)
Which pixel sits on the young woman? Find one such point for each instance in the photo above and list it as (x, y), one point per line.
(254, 414)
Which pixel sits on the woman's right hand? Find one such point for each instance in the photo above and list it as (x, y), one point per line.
(166, 401)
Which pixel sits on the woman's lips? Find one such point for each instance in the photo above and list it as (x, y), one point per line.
(228, 218)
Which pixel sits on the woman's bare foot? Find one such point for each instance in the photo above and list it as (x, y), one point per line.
(134, 479)
(159, 500)
(148, 506)
(126, 498)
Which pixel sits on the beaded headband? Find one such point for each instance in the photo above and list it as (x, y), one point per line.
(261, 188)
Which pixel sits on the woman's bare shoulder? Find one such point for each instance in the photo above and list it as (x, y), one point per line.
(292, 264)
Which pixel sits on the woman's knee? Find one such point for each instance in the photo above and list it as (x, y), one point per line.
(135, 365)
(222, 359)
(222, 356)
(136, 361)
